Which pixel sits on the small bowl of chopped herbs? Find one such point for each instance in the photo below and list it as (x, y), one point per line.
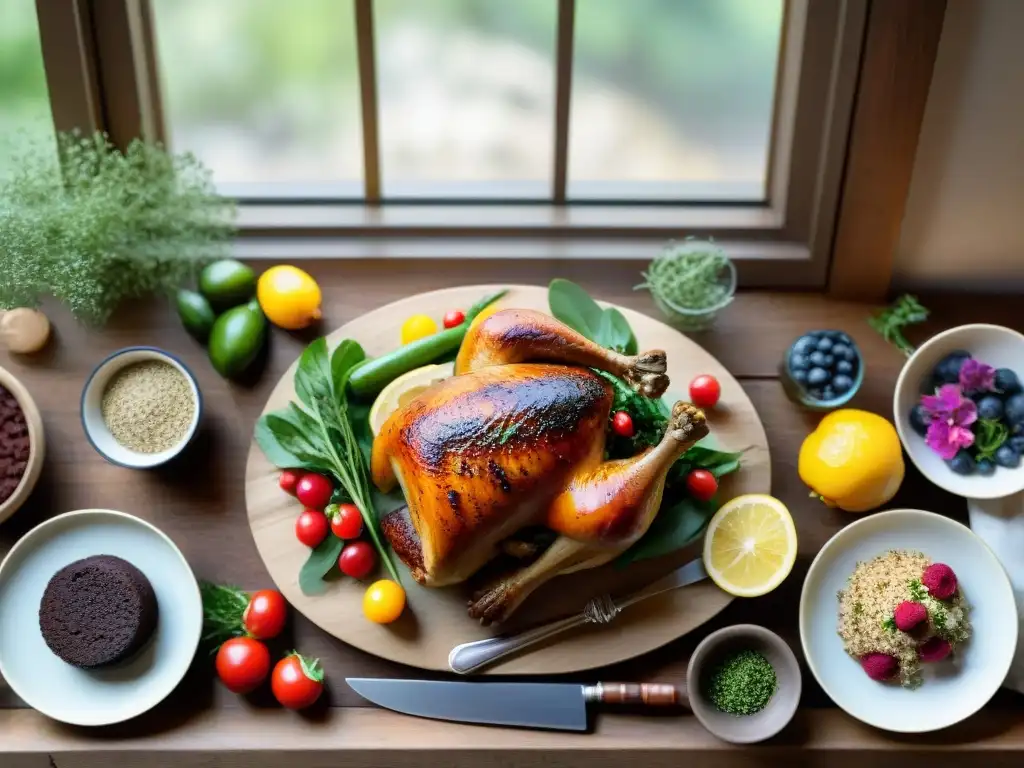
(744, 683)
(141, 407)
(691, 281)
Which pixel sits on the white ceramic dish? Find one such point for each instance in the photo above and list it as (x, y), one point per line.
(992, 344)
(92, 417)
(952, 690)
(122, 691)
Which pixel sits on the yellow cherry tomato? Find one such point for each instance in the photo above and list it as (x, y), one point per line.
(289, 297)
(853, 460)
(418, 327)
(384, 601)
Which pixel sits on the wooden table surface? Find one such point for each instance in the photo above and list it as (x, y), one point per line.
(198, 501)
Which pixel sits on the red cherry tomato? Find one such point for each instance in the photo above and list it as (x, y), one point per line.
(265, 615)
(242, 664)
(701, 484)
(314, 491)
(346, 522)
(288, 480)
(311, 527)
(297, 682)
(454, 317)
(357, 559)
(622, 424)
(705, 391)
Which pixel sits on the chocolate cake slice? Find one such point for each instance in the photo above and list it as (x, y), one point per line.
(97, 611)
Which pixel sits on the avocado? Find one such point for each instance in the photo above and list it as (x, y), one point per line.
(227, 283)
(196, 314)
(237, 338)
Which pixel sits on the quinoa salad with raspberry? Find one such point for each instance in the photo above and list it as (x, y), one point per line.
(899, 611)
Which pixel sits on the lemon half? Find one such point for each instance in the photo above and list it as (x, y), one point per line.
(403, 389)
(750, 546)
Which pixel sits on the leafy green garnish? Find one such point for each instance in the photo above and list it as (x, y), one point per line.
(321, 561)
(223, 608)
(917, 590)
(676, 525)
(939, 619)
(574, 307)
(890, 322)
(889, 625)
(989, 435)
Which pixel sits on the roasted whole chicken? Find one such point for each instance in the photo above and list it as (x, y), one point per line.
(515, 440)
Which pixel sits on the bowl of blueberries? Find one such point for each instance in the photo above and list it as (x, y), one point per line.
(822, 370)
(959, 410)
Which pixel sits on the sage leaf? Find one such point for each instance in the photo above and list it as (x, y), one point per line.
(675, 526)
(615, 332)
(319, 563)
(574, 307)
(313, 374)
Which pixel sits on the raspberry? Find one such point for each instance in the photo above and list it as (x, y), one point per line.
(879, 666)
(934, 649)
(909, 615)
(939, 580)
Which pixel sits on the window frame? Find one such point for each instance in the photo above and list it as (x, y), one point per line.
(101, 66)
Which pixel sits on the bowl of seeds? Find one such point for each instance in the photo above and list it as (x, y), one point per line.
(744, 683)
(141, 407)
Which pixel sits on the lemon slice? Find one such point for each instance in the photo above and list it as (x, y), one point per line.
(403, 389)
(750, 546)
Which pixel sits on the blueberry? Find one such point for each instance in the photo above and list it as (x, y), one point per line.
(919, 420)
(817, 377)
(990, 407)
(824, 344)
(799, 376)
(842, 383)
(844, 367)
(1014, 409)
(843, 352)
(948, 369)
(1007, 456)
(804, 344)
(829, 360)
(1007, 381)
(1017, 443)
(799, 362)
(817, 359)
(828, 393)
(962, 463)
(842, 338)
(816, 393)
(985, 467)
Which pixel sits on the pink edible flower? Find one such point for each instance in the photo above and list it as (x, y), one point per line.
(977, 377)
(934, 649)
(909, 614)
(879, 666)
(939, 580)
(952, 415)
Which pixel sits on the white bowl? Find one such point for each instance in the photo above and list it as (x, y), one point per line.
(109, 694)
(952, 690)
(92, 416)
(992, 344)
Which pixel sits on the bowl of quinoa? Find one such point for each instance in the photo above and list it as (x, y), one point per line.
(908, 621)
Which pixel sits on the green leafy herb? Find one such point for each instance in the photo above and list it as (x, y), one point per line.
(989, 435)
(676, 525)
(906, 310)
(917, 590)
(223, 608)
(742, 684)
(574, 307)
(939, 618)
(321, 561)
(321, 436)
(102, 226)
(693, 275)
(889, 625)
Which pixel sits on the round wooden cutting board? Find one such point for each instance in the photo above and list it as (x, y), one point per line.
(435, 619)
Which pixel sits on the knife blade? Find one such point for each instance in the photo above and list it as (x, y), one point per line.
(549, 706)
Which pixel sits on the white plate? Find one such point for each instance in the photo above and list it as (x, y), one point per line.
(952, 690)
(120, 692)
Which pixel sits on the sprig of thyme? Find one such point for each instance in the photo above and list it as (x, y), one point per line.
(890, 322)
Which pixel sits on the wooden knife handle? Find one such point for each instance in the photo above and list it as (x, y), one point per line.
(647, 694)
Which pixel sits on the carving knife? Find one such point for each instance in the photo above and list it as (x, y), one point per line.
(549, 706)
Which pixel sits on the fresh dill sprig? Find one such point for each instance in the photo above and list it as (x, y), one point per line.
(890, 322)
(917, 590)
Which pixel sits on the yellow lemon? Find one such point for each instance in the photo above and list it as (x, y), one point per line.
(418, 327)
(486, 312)
(750, 546)
(289, 297)
(853, 460)
(403, 389)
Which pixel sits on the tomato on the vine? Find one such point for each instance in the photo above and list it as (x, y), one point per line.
(346, 520)
(701, 484)
(705, 391)
(622, 424)
(242, 664)
(314, 491)
(384, 601)
(454, 317)
(311, 527)
(297, 682)
(265, 615)
(288, 479)
(357, 559)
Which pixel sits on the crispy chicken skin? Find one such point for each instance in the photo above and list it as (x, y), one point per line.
(517, 439)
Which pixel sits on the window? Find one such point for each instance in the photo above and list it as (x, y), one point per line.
(25, 116)
(537, 128)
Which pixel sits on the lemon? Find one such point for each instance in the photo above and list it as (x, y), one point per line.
(403, 389)
(750, 546)
(418, 327)
(289, 297)
(853, 460)
(486, 312)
